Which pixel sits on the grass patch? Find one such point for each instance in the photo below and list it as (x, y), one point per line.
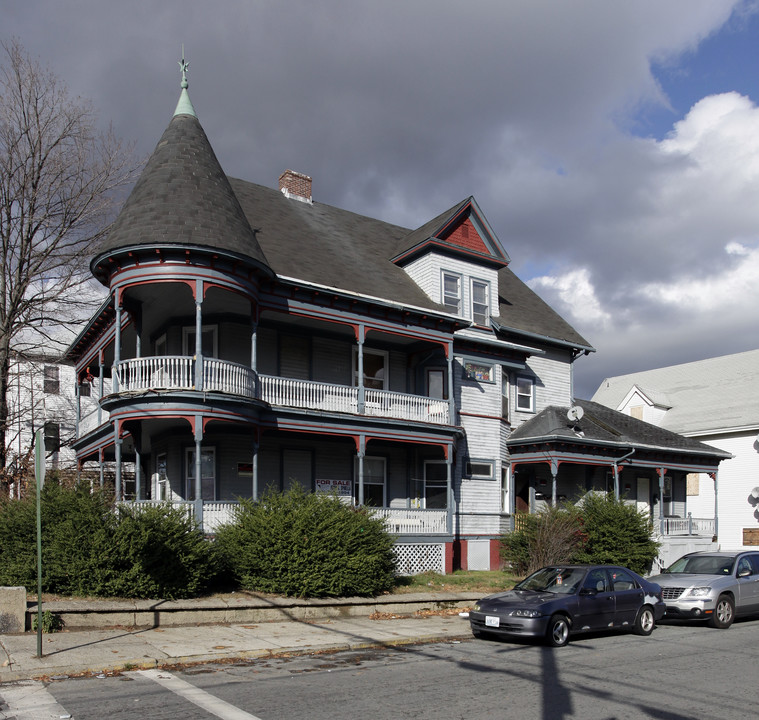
(480, 581)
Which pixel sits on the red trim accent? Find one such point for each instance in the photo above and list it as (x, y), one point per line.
(448, 558)
(495, 554)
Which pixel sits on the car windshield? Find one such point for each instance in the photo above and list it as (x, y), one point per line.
(703, 565)
(553, 579)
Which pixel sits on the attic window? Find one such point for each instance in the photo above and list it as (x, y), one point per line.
(480, 302)
(452, 293)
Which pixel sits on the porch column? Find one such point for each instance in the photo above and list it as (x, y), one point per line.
(360, 379)
(102, 471)
(554, 473)
(661, 472)
(117, 446)
(198, 335)
(449, 488)
(78, 394)
(714, 477)
(198, 470)
(137, 475)
(254, 353)
(117, 344)
(360, 454)
(101, 387)
(138, 331)
(451, 399)
(254, 472)
(615, 470)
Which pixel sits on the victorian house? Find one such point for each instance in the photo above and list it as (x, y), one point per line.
(254, 338)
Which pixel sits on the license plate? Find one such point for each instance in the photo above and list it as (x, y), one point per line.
(492, 621)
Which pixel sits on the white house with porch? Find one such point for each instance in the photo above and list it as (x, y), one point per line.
(715, 401)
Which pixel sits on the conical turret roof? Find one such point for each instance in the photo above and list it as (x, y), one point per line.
(183, 198)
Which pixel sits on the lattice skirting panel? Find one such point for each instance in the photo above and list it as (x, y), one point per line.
(416, 558)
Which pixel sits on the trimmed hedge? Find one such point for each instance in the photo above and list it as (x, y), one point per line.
(308, 545)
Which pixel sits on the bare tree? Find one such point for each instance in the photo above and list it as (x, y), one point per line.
(60, 179)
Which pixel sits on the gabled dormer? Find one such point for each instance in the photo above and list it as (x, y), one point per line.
(644, 405)
(455, 259)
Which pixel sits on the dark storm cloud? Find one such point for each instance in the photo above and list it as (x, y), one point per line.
(401, 109)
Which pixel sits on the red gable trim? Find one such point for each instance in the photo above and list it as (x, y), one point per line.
(465, 235)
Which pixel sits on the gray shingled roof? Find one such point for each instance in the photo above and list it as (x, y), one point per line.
(523, 311)
(328, 246)
(603, 425)
(714, 394)
(183, 198)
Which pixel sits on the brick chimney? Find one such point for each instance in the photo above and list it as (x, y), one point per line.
(295, 185)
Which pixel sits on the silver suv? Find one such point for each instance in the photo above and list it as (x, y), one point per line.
(713, 586)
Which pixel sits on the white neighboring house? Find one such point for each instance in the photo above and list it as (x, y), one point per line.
(42, 396)
(715, 401)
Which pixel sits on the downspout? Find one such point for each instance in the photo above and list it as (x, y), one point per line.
(614, 464)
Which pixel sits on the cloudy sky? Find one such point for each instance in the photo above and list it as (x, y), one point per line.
(613, 145)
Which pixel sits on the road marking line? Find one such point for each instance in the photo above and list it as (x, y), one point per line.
(30, 700)
(195, 695)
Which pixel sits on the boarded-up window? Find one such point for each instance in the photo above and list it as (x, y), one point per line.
(636, 411)
(692, 484)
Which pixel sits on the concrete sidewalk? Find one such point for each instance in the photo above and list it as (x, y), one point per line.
(100, 651)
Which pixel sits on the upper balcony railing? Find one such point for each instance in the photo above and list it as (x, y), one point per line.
(177, 372)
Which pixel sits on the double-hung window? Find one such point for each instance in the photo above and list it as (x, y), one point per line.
(525, 394)
(374, 481)
(52, 381)
(452, 292)
(435, 485)
(480, 302)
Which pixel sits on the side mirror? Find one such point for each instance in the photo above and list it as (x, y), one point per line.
(588, 591)
(744, 573)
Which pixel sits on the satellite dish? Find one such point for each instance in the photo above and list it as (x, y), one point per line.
(575, 413)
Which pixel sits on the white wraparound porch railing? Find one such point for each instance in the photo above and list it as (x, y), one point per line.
(176, 372)
(399, 521)
(409, 521)
(307, 394)
(228, 377)
(165, 372)
(703, 527)
(384, 403)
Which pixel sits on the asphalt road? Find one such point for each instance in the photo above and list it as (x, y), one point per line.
(681, 671)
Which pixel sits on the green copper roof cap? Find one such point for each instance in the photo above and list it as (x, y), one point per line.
(184, 106)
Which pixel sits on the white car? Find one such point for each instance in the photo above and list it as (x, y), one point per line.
(712, 586)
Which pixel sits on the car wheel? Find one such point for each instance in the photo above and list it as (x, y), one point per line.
(645, 621)
(557, 634)
(724, 613)
(481, 634)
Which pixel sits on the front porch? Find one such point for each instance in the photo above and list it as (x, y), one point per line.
(212, 514)
(179, 374)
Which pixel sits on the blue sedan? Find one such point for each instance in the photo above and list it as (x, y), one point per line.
(562, 600)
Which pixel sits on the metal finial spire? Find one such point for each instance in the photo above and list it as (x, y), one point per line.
(184, 106)
(184, 66)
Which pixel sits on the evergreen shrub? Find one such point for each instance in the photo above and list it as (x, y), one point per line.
(90, 548)
(617, 533)
(307, 545)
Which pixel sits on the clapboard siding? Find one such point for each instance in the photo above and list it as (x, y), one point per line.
(427, 272)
